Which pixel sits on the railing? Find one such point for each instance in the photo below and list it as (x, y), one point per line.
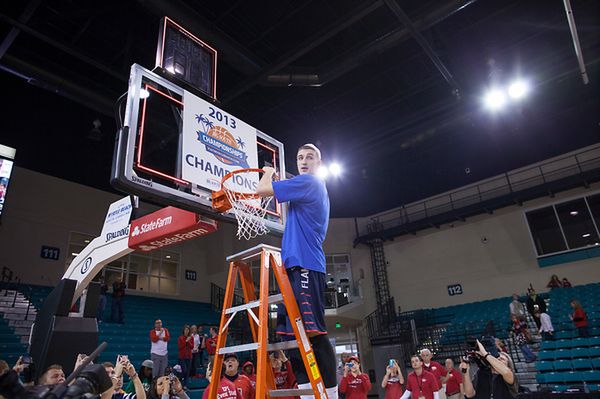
(541, 174)
(9, 281)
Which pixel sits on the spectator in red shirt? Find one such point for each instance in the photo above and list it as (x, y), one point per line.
(211, 344)
(241, 382)
(226, 390)
(392, 381)
(433, 367)
(420, 383)
(248, 370)
(355, 384)
(282, 371)
(185, 343)
(454, 384)
(566, 283)
(579, 319)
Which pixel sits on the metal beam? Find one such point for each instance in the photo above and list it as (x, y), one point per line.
(64, 48)
(405, 20)
(576, 44)
(312, 42)
(68, 88)
(14, 32)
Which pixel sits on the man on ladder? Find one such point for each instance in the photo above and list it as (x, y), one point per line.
(304, 259)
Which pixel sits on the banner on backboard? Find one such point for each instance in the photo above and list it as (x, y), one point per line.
(214, 144)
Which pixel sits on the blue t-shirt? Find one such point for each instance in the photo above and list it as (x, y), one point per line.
(306, 225)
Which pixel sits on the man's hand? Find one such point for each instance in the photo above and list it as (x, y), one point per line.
(282, 357)
(177, 388)
(481, 349)
(388, 371)
(19, 366)
(464, 367)
(346, 370)
(269, 170)
(130, 370)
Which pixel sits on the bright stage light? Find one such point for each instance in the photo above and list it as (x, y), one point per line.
(144, 93)
(494, 99)
(323, 172)
(335, 169)
(518, 89)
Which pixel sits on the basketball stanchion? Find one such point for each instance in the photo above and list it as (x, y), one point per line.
(258, 316)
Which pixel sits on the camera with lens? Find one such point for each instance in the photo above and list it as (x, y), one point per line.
(90, 383)
(471, 356)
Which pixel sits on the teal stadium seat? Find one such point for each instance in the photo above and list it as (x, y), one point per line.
(563, 344)
(580, 353)
(572, 377)
(562, 354)
(543, 366)
(548, 345)
(562, 365)
(591, 376)
(546, 355)
(553, 378)
(563, 335)
(594, 341)
(594, 352)
(581, 364)
(596, 363)
(560, 388)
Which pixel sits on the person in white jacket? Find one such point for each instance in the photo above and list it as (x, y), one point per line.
(546, 328)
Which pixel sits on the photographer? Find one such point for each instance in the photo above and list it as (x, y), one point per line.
(116, 374)
(392, 381)
(494, 378)
(355, 384)
(167, 387)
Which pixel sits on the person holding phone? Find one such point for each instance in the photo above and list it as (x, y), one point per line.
(454, 382)
(355, 384)
(116, 374)
(393, 380)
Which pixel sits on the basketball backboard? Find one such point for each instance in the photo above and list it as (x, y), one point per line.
(175, 146)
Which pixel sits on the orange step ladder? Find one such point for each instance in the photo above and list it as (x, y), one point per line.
(258, 315)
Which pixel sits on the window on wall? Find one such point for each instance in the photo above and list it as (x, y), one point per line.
(569, 225)
(155, 272)
(341, 289)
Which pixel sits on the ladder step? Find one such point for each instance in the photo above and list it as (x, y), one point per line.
(282, 346)
(254, 346)
(238, 348)
(278, 298)
(277, 393)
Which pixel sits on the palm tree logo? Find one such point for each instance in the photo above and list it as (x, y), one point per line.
(240, 143)
(206, 124)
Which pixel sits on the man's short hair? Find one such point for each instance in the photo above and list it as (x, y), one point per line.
(55, 366)
(309, 146)
(108, 364)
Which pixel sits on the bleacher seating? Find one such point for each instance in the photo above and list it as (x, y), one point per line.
(570, 360)
(131, 338)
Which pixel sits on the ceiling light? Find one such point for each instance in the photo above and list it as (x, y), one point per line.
(335, 169)
(170, 69)
(144, 93)
(573, 213)
(494, 100)
(518, 89)
(74, 253)
(586, 235)
(323, 172)
(86, 241)
(168, 256)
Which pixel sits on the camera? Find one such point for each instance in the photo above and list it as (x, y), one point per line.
(350, 365)
(391, 362)
(471, 355)
(92, 381)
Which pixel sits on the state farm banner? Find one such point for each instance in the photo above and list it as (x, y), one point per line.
(166, 227)
(214, 144)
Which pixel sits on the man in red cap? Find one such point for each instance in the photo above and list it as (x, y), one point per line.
(355, 384)
(242, 383)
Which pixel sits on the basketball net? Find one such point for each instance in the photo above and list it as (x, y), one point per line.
(249, 212)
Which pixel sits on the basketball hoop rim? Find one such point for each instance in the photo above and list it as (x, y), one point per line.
(237, 194)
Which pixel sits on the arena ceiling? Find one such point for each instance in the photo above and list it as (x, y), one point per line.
(391, 89)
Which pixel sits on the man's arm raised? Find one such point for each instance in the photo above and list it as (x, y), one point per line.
(265, 185)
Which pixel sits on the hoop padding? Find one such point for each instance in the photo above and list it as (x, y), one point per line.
(249, 208)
